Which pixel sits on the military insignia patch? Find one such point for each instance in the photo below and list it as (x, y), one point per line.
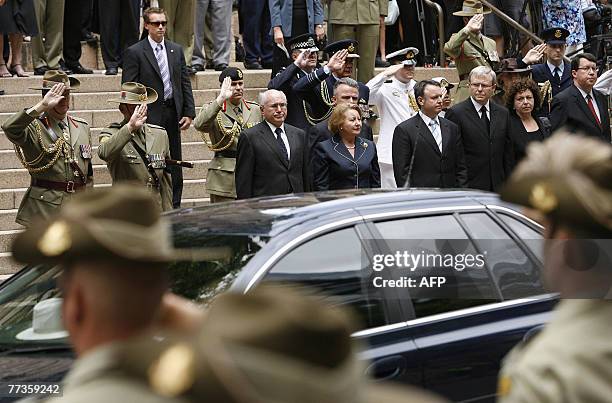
(410, 55)
(239, 72)
(157, 161)
(558, 33)
(351, 48)
(56, 239)
(85, 151)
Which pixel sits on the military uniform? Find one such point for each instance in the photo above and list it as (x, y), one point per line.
(56, 154)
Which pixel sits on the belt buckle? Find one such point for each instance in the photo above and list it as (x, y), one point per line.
(70, 187)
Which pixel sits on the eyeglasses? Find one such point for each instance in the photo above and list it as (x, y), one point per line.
(480, 85)
(158, 23)
(588, 69)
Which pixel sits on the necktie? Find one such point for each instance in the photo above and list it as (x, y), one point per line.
(592, 108)
(163, 70)
(238, 113)
(485, 118)
(281, 143)
(557, 75)
(433, 127)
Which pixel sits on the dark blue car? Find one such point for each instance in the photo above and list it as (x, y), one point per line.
(449, 338)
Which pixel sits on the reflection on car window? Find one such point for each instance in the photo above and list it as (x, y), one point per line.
(529, 236)
(215, 263)
(516, 274)
(438, 236)
(335, 265)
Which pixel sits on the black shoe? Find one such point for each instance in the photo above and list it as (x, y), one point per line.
(198, 67)
(266, 65)
(220, 67)
(112, 71)
(1, 92)
(79, 69)
(40, 71)
(209, 65)
(65, 69)
(89, 38)
(381, 63)
(252, 66)
(191, 71)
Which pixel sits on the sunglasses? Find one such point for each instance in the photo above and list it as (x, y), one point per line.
(158, 23)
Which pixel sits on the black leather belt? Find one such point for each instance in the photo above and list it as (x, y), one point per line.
(226, 154)
(68, 187)
(168, 102)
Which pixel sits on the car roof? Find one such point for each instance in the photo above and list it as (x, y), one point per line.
(268, 216)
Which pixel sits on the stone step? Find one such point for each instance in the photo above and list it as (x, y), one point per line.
(192, 189)
(6, 239)
(8, 266)
(192, 151)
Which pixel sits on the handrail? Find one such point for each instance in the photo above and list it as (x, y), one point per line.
(441, 34)
(510, 21)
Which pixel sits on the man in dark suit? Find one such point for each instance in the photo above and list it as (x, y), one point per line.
(484, 129)
(160, 64)
(580, 107)
(427, 149)
(270, 158)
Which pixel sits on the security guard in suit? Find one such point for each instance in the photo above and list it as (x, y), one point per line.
(223, 119)
(54, 147)
(572, 198)
(135, 150)
(359, 20)
(469, 47)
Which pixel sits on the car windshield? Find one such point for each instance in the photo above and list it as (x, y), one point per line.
(208, 269)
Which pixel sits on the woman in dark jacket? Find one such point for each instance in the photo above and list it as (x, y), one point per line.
(525, 127)
(345, 161)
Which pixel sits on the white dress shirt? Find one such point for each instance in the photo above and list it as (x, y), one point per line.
(393, 104)
(164, 52)
(436, 135)
(477, 106)
(595, 106)
(283, 136)
(552, 68)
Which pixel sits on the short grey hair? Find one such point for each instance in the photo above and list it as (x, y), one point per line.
(346, 81)
(483, 71)
(263, 96)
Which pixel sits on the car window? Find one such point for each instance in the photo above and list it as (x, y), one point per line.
(515, 273)
(447, 252)
(336, 265)
(528, 235)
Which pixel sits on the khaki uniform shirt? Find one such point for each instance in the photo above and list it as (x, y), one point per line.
(223, 127)
(569, 361)
(357, 12)
(470, 50)
(124, 161)
(47, 152)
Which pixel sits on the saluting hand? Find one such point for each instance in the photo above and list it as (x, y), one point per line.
(474, 25)
(138, 119)
(302, 60)
(535, 54)
(391, 70)
(226, 90)
(336, 62)
(53, 97)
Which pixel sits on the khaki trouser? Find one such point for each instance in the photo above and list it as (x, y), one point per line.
(220, 199)
(181, 18)
(367, 36)
(50, 20)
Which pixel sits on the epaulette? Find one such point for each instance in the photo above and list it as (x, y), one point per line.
(250, 104)
(80, 120)
(115, 125)
(155, 126)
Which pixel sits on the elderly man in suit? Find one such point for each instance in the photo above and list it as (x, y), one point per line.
(580, 107)
(160, 64)
(270, 158)
(484, 127)
(427, 149)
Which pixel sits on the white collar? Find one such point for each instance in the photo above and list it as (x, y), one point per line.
(154, 44)
(552, 67)
(405, 86)
(584, 93)
(427, 119)
(478, 106)
(273, 128)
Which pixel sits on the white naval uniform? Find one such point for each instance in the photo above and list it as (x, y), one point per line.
(393, 104)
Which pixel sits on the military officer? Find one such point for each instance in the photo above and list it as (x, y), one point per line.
(54, 147)
(469, 47)
(395, 102)
(572, 198)
(223, 119)
(135, 150)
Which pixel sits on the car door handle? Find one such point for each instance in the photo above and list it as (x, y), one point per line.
(387, 368)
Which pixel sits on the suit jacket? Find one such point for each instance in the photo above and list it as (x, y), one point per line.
(284, 81)
(430, 168)
(320, 132)
(281, 13)
(357, 12)
(570, 109)
(488, 156)
(334, 167)
(541, 73)
(521, 139)
(140, 65)
(262, 170)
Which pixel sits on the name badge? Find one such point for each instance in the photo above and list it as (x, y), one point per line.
(493, 56)
(396, 94)
(157, 161)
(86, 151)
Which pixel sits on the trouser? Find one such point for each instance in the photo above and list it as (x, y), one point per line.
(367, 36)
(220, 199)
(170, 123)
(119, 25)
(180, 24)
(387, 176)
(256, 37)
(220, 12)
(50, 20)
(78, 10)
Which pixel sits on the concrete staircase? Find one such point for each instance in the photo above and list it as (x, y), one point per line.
(90, 103)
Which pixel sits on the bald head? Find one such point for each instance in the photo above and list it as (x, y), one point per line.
(273, 107)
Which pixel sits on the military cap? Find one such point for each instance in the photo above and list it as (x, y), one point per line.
(304, 41)
(406, 56)
(576, 188)
(510, 65)
(350, 45)
(471, 8)
(121, 222)
(52, 77)
(270, 345)
(555, 36)
(444, 82)
(135, 94)
(232, 72)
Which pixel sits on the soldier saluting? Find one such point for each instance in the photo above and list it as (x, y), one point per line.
(223, 119)
(54, 147)
(135, 150)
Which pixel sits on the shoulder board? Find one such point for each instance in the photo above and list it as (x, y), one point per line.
(155, 126)
(115, 125)
(252, 103)
(78, 119)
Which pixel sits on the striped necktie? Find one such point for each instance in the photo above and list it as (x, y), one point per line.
(433, 127)
(163, 69)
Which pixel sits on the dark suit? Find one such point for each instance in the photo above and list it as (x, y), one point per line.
(140, 65)
(430, 168)
(334, 167)
(541, 73)
(320, 132)
(284, 81)
(488, 156)
(262, 169)
(521, 139)
(570, 109)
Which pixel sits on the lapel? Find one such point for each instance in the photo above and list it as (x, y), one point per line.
(138, 139)
(270, 139)
(425, 133)
(476, 117)
(293, 144)
(150, 140)
(171, 58)
(567, 73)
(585, 108)
(445, 134)
(150, 56)
(229, 111)
(73, 132)
(246, 112)
(341, 149)
(493, 117)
